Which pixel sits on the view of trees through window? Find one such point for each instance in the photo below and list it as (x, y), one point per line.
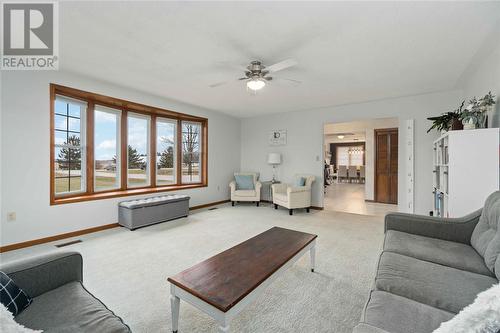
(138, 147)
(106, 148)
(191, 140)
(165, 151)
(68, 148)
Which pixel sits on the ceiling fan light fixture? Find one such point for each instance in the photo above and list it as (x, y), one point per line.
(255, 84)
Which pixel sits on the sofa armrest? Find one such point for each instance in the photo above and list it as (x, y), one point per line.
(279, 187)
(298, 189)
(258, 185)
(450, 229)
(41, 274)
(232, 185)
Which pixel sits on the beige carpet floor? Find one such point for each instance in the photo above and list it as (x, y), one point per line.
(128, 270)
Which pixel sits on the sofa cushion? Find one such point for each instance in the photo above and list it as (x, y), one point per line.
(300, 181)
(245, 193)
(9, 325)
(481, 316)
(11, 296)
(486, 236)
(244, 182)
(397, 314)
(439, 286)
(452, 254)
(70, 308)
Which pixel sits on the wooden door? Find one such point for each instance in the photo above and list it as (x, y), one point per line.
(386, 165)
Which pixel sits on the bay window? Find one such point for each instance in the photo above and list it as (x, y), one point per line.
(103, 147)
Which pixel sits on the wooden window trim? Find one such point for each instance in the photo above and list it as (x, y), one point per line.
(125, 106)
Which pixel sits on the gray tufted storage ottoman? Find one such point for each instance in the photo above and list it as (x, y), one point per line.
(134, 214)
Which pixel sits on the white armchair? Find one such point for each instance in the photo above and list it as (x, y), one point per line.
(292, 196)
(246, 195)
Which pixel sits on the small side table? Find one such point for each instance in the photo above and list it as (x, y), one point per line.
(266, 192)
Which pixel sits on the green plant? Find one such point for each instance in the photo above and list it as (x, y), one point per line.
(487, 100)
(444, 121)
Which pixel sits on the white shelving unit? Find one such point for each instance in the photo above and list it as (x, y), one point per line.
(466, 170)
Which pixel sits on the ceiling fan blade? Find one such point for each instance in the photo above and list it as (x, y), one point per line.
(218, 84)
(291, 80)
(282, 82)
(281, 65)
(243, 78)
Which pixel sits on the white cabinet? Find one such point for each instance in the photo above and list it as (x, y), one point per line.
(466, 170)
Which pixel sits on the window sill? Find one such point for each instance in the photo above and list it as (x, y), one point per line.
(122, 193)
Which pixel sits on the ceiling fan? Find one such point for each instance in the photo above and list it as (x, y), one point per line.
(256, 74)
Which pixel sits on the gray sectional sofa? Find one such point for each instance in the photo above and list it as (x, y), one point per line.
(60, 301)
(431, 268)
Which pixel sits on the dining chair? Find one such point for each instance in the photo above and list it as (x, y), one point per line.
(353, 173)
(342, 173)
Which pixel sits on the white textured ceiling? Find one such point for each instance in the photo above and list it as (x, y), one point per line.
(347, 51)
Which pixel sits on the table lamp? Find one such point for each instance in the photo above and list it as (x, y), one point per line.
(274, 159)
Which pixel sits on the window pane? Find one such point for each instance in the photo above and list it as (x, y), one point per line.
(342, 156)
(61, 122)
(356, 155)
(74, 124)
(61, 108)
(106, 149)
(68, 170)
(165, 152)
(74, 110)
(61, 137)
(138, 147)
(191, 152)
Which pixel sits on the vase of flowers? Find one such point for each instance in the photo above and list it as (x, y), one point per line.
(489, 113)
(478, 112)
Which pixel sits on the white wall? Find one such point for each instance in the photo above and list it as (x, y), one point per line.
(304, 150)
(368, 127)
(25, 156)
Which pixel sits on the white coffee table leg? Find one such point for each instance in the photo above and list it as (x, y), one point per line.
(313, 256)
(175, 303)
(224, 329)
(223, 325)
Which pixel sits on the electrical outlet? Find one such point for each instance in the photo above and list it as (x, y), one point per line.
(11, 216)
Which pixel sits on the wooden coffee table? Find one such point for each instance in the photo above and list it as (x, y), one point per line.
(223, 285)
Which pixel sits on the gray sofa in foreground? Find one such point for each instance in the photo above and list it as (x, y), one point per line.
(431, 268)
(60, 301)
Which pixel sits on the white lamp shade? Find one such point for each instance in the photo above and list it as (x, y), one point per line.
(274, 158)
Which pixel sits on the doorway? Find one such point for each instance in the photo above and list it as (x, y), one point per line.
(350, 166)
(386, 165)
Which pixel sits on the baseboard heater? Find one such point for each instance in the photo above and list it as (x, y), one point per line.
(134, 214)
